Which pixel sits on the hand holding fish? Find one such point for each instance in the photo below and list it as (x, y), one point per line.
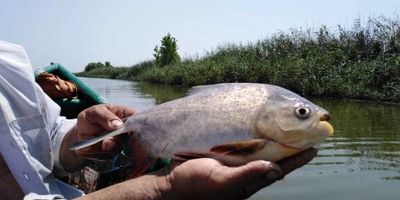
(97, 119)
(91, 122)
(204, 178)
(235, 138)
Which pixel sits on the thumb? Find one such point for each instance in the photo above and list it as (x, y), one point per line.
(102, 116)
(110, 121)
(254, 176)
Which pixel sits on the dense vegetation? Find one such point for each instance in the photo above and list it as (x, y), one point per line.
(362, 62)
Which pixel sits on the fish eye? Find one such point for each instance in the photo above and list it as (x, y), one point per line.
(302, 112)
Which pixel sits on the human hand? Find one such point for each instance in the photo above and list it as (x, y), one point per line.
(207, 178)
(204, 178)
(95, 120)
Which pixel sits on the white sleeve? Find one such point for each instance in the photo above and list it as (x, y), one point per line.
(62, 127)
(32, 130)
(34, 196)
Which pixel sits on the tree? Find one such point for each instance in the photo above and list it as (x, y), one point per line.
(92, 66)
(167, 53)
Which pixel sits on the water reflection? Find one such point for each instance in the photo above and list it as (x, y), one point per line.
(161, 93)
(367, 137)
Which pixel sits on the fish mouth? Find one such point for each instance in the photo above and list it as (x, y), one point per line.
(324, 126)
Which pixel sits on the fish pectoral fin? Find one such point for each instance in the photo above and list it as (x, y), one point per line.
(140, 159)
(240, 148)
(189, 155)
(140, 167)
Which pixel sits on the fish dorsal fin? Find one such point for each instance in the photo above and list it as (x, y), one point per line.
(240, 148)
(203, 88)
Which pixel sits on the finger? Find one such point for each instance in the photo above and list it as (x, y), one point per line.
(102, 116)
(250, 178)
(92, 121)
(106, 149)
(289, 164)
(252, 170)
(120, 110)
(112, 144)
(272, 172)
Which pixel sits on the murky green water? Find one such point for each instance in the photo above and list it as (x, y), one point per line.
(361, 161)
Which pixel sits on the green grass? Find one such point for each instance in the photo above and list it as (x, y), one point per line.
(362, 62)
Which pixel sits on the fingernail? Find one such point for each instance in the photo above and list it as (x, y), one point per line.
(116, 123)
(273, 175)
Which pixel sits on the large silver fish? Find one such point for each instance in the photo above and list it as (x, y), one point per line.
(234, 123)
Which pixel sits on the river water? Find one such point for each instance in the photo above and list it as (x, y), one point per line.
(361, 161)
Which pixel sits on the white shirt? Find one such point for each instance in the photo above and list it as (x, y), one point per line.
(31, 130)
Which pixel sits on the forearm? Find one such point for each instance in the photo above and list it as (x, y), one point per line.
(151, 187)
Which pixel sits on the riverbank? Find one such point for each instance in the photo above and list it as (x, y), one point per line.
(360, 63)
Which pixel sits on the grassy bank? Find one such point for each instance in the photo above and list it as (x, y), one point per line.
(361, 63)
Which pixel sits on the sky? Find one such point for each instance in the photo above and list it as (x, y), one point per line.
(125, 32)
